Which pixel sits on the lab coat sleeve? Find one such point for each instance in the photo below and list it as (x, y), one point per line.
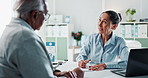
(33, 61)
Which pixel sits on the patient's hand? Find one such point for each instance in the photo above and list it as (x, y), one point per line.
(59, 73)
(97, 67)
(75, 73)
(79, 72)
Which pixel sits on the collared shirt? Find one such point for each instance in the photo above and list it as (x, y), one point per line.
(114, 53)
(22, 53)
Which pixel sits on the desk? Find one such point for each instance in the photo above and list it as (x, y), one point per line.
(93, 74)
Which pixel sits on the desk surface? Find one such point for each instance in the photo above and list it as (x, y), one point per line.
(93, 74)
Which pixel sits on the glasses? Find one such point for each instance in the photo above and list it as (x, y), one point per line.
(46, 15)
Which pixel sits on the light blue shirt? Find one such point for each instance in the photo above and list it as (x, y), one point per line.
(114, 53)
(22, 53)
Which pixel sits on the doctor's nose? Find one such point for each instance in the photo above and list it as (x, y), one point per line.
(99, 23)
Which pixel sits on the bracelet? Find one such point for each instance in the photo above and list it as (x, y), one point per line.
(73, 74)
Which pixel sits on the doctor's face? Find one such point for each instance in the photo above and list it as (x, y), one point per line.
(104, 24)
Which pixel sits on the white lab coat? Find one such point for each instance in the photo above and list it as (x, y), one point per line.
(22, 53)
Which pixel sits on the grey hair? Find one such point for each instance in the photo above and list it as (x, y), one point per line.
(23, 7)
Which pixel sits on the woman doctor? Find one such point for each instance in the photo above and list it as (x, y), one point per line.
(104, 47)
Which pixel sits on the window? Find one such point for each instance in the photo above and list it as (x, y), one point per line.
(5, 14)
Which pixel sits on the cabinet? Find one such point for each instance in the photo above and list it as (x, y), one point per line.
(133, 31)
(57, 39)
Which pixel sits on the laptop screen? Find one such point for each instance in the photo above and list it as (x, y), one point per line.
(137, 63)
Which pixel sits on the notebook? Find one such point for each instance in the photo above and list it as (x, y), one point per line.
(137, 63)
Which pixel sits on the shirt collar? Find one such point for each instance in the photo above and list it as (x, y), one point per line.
(110, 41)
(22, 22)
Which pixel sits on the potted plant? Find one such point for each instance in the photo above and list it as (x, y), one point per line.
(77, 36)
(129, 13)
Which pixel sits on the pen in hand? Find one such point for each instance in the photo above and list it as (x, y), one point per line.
(83, 63)
(88, 60)
(87, 65)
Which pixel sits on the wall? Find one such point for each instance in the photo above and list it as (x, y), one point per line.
(144, 10)
(84, 13)
(122, 5)
(5, 14)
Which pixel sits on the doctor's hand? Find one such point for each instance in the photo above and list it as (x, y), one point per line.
(97, 67)
(82, 63)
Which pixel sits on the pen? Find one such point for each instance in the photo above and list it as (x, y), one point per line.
(88, 60)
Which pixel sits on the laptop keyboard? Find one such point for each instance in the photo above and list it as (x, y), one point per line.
(122, 71)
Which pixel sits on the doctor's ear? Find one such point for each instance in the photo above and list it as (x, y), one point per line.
(114, 26)
(34, 14)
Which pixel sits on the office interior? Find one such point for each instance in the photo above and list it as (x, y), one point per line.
(69, 16)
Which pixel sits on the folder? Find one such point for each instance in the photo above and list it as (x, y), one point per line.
(128, 29)
(142, 30)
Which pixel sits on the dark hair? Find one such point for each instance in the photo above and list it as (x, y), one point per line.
(114, 17)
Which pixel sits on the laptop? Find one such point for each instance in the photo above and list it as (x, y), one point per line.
(137, 64)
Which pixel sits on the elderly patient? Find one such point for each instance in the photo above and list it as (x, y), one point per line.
(104, 47)
(22, 52)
